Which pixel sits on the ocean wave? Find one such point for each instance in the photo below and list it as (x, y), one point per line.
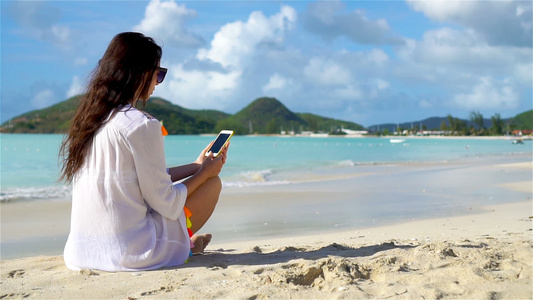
(257, 176)
(347, 163)
(351, 163)
(248, 183)
(35, 193)
(253, 178)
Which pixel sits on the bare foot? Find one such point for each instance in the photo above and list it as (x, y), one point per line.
(200, 242)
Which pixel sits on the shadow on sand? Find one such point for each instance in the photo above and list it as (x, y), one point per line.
(223, 258)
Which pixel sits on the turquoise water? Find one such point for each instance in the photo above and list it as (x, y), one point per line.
(279, 186)
(30, 164)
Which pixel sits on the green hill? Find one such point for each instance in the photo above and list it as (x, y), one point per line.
(179, 120)
(523, 121)
(53, 119)
(270, 116)
(318, 123)
(263, 116)
(56, 118)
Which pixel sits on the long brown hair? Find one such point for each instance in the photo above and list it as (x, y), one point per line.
(123, 76)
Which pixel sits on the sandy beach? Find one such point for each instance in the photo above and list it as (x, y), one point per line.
(482, 256)
(484, 251)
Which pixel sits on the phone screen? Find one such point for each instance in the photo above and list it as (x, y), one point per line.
(219, 142)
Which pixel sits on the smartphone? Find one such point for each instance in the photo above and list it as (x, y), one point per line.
(221, 141)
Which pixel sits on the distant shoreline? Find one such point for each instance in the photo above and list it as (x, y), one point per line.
(525, 137)
(498, 137)
(507, 137)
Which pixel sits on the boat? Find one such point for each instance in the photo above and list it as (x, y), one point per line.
(319, 135)
(397, 141)
(518, 141)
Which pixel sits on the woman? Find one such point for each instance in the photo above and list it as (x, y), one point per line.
(127, 212)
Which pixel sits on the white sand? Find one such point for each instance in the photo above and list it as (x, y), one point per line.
(482, 256)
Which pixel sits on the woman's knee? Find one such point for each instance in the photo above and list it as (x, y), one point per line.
(215, 184)
(207, 192)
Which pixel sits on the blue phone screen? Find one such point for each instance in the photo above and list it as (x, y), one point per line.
(219, 142)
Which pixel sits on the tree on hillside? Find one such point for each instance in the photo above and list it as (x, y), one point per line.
(462, 128)
(451, 123)
(313, 125)
(477, 118)
(272, 127)
(497, 125)
(457, 126)
(236, 126)
(443, 126)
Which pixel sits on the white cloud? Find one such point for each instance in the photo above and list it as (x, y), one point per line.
(425, 103)
(523, 73)
(499, 22)
(444, 10)
(80, 61)
(348, 92)
(214, 79)
(445, 46)
(60, 34)
(488, 94)
(460, 69)
(39, 21)
(447, 68)
(199, 89)
(76, 87)
(381, 84)
(235, 42)
(327, 72)
(43, 99)
(166, 21)
(276, 82)
(378, 56)
(448, 56)
(287, 89)
(329, 20)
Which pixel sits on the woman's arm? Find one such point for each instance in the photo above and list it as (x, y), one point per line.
(201, 170)
(209, 168)
(182, 172)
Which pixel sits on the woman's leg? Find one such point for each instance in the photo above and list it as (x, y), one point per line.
(203, 201)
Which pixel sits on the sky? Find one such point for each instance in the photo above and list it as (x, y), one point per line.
(368, 62)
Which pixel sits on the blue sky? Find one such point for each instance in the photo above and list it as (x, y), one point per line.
(368, 62)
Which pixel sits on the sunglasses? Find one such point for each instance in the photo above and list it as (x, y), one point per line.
(161, 73)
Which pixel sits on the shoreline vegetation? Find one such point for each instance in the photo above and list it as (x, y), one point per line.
(392, 137)
(385, 137)
(270, 116)
(428, 136)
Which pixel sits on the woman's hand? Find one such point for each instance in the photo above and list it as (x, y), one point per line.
(208, 167)
(211, 166)
(202, 156)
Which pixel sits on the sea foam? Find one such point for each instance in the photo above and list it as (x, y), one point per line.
(36, 193)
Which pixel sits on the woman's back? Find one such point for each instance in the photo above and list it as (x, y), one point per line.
(114, 224)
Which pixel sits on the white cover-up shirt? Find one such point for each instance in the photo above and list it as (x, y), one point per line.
(126, 212)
